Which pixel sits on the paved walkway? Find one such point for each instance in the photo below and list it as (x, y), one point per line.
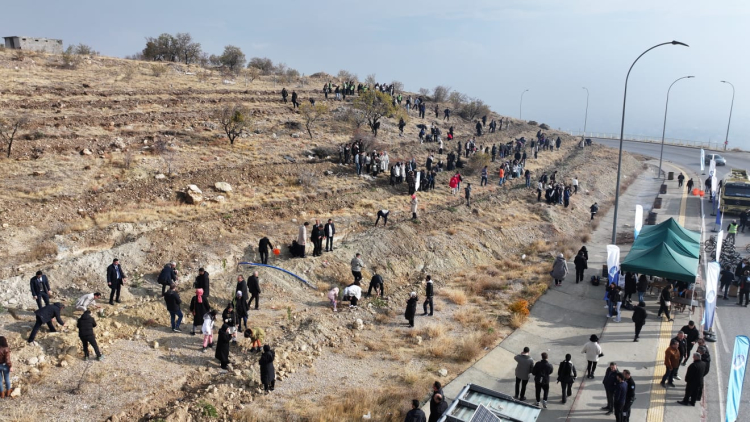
(563, 319)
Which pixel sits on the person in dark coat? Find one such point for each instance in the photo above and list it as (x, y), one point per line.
(631, 283)
(581, 264)
(242, 287)
(316, 236)
(641, 288)
(726, 279)
(620, 394)
(86, 324)
(263, 246)
(167, 276)
(681, 340)
(415, 414)
(199, 306)
(639, 319)
(45, 316)
(40, 290)
(429, 293)
(566, 376)
(610, 383)
(376, 282)
(173, 302)
(629, 397)
(202, 281)
(541, 372)
(115, 279)
(411, 308)
(329, 230)
(253, 287)
(664, 297)
(694, 381)
(438, 406)
(240, 307)
(267, 372)
(222, 346)
(692, 334)
(229, 317)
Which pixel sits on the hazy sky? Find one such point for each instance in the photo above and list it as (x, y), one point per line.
(490, 49)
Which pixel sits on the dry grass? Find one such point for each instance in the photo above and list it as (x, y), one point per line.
(433, 331)
(410, 375)
(482, 285)
(42, 251)
(585, 238)
(456, 296)
(517, 320)
(469, 348)
(441, 349)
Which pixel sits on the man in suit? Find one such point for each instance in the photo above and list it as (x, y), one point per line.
(115, 279)
(203, 282)
(639, 318)
(253, 287)
(415, 414)
(694, 380)
(40, 289)
(330, 231)
(263, 246)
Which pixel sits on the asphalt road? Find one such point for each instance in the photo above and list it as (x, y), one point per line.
(730, 319)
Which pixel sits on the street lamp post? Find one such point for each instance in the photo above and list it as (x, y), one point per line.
(622, 133)
(726, 139)
(664, 128)
(520, 107)
(586, 116)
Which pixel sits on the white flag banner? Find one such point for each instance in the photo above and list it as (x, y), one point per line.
(417, 180)
(703, 159)
(719, 239)
(712, 279)
(714, 185)
(712, 167)
(638, 220)
(613, 265)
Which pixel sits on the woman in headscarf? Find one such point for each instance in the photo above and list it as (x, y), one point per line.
(222, 346)
(267, 372)
(411, 308)
(199, 307)
(559, 269)
(229, 316)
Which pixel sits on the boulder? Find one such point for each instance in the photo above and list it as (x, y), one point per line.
(359, 325)
(160, 176)
(86, 151)
(220, 199)
(223, 186)
(193, 195)
(443, 372)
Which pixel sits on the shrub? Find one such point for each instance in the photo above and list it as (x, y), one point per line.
(520, 306)
(158, 69)
(533, 123)
(456, 296)
(208, 410)
(544, 126)
(517, 320)
(469, 348)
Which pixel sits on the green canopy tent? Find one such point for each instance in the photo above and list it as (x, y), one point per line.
(670, 238)
(661, 260)
(675, 227)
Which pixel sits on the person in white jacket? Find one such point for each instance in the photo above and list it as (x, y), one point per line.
(208, 329)
(354, 293)
(593, 352)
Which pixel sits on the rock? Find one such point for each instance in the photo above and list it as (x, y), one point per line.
(418, 340)
(223, 186)
(220, 198)
(359, 325)
(33, 360)
(86, 151)
(81, 212)
(38, 173)
(160, 176)
(328, 172)
(155, 344)
(63, 364)
(16, 392)
(295, 135)
(443, 372)
(193, 194)
(117, 324)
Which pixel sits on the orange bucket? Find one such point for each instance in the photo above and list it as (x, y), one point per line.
(701, 193)
(276, 251)
(695, 191)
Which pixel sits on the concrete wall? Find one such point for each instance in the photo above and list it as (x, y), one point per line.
(45, 45)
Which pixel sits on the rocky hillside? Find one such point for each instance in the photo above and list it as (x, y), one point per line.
(102, 170)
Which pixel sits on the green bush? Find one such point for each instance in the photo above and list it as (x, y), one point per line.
(208, 410)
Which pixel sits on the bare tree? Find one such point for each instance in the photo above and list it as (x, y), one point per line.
(355, 117)
(370, 79)
(424, 92)
(312, 114)
(457, 99)
(9, 129)
(345, 75)
(398, 86)
(234, 120)
(440, 93)
(474, 108)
